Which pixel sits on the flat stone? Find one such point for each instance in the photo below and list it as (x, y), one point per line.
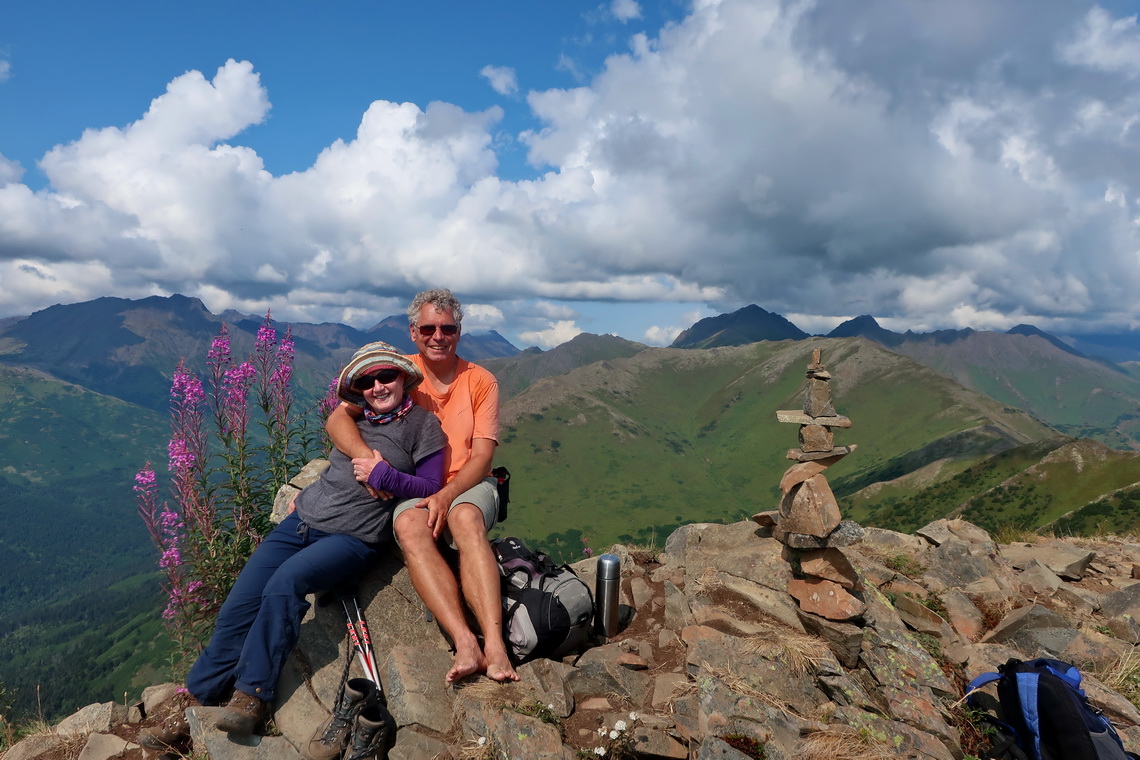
(766, 519)
(548, 679)
(941, 530)
(219, 744)
(513, 734)
(802, 471)
(1039, 579)
(595, 703)
(666, 687)
(412, 745)
(798, 417)
(809, 456)
(831, 564)
(153, 696)
(677, 611)
(1126, 601)
(921, 618)
(95, 718)
(653, 744)
(417, 694)
(816, 438)
(1029, 616)
(34, 747)
(641, 592)
(848, 533)
(810, 508)
(1064, 559)
(104, 746)
(964, 616)
(826, 599)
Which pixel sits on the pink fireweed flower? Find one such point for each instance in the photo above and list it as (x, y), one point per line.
(186, 387)
(219, 353)
(181, 458)
(331, 401)
(144, 479)
(170, 558)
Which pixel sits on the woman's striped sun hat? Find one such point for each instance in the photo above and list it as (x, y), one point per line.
(371, 358)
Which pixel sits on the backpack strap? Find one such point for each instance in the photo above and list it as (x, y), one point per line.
(983, 680)
(1027, 692)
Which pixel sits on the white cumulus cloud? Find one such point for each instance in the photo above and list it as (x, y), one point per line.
(502, 79)
(925, 166)
(557, 333)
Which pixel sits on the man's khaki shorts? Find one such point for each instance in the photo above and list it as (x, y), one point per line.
(484, 495)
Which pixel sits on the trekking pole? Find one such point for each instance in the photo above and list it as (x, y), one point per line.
(366, 641)
(365, 662)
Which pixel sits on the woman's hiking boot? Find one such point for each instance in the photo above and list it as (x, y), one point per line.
(374, 734)
(243, 715)
(172, 731)
(330, 739)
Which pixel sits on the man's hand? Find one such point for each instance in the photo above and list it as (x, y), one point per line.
(292, 505)
(437, 506)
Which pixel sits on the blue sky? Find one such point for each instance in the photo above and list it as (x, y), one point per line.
(624, 167)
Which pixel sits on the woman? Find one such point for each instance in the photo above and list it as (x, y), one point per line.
(334, 532)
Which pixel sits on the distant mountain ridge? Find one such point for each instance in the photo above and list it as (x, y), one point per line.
(128, 349)
(1025, 367)
(748, 325)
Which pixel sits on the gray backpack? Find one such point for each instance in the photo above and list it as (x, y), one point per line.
(547, 609)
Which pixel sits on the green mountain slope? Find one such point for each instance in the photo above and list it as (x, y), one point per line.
(517, 373)
(628, 449)
(1081, 397)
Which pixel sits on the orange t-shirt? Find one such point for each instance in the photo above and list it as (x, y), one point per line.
(469, 410)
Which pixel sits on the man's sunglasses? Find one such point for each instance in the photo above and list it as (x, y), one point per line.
(429, 330)
(385, 376)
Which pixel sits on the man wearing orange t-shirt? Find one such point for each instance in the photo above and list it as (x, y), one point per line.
(465, 397)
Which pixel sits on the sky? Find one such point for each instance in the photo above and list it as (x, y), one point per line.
(622, 166)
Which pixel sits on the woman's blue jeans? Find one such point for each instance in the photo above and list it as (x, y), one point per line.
(260, 621)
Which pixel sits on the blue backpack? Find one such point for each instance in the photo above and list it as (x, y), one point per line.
(1043, 714)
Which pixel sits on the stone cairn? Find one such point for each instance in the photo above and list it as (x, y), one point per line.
(808, 522)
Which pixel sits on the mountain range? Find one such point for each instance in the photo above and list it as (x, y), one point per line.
(607, 440)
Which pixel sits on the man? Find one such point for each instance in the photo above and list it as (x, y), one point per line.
(465, 397)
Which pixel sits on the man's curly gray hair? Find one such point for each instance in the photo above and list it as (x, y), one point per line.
(441, 299)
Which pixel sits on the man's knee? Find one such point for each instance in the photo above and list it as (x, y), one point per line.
(411, 528)
(466, 524)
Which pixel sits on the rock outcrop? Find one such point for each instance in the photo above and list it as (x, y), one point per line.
(716, 658)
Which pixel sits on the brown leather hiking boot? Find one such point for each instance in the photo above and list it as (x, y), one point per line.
(330, 739)
(243, 715)
(172, 731)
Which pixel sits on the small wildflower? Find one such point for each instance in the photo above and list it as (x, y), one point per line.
(600, 751)
(602, 731)
(614, 734)
(634, 716)
(550, 707)
(620, 726)
(482, 741)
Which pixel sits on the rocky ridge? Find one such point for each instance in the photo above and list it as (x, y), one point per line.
(716, 659)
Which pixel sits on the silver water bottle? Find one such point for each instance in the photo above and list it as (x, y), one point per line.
(606, 595)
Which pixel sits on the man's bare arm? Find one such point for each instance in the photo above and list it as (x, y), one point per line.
(342, 430)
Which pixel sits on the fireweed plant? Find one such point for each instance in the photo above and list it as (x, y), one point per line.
(227, 457)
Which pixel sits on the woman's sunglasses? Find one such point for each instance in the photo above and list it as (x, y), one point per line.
(429, 330)
(384, 376)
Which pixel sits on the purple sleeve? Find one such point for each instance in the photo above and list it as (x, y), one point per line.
(425, 481)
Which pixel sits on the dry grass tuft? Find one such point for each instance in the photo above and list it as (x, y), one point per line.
(1122, 676)
(801, 652)
(1013, 534)
(486, 690)
(842, 743)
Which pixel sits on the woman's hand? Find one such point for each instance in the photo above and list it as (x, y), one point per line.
(362, 467)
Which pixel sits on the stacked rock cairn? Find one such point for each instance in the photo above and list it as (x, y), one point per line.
(808, 522)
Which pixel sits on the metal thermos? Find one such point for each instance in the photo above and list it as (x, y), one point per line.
(606, 595)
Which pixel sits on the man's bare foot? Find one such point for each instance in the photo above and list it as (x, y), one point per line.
(468, 659)
(499, 668)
